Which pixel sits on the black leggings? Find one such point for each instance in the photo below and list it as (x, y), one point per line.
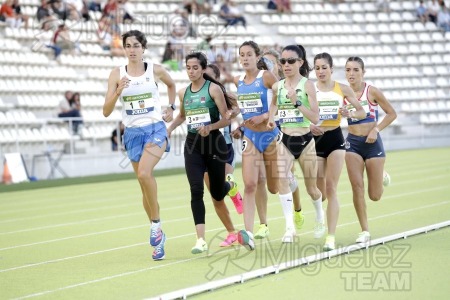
(205, 154)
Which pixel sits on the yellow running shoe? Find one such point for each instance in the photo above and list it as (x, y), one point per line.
(329, 243)
(299, 219)
(263, 232)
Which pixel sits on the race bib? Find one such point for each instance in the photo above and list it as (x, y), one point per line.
(289, 114)
(328, 109)
(197, 118)
(364, 104)
(250, 103)
(139, 104)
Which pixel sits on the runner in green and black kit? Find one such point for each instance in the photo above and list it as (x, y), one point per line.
(204, 106)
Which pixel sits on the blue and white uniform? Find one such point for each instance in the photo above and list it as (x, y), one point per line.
(254, 100)
(141, 113)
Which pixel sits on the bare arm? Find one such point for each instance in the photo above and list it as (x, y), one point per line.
(115, 88)
(273, 107)
(218, 97)
(351, 97)
(160, 73)
(181, 117)
(312, 113)
(375, 95)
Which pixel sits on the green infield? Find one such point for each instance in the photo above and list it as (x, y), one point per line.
(88, 239)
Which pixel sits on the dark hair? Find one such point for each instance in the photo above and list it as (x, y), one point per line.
(305, 68)
(357, 59)
(253, 45)
(72, 99)
(204, 64)
(139, 36)
(215, 69)
(275, 54)
(325, 56)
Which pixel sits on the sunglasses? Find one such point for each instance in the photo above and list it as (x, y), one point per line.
(290, 61)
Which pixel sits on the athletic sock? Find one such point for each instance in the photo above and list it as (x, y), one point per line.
(318, 207)
(286, 204)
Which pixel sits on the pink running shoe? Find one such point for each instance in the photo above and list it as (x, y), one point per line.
(231, 239)
(237, 201)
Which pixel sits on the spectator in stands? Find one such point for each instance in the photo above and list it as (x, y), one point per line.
(116, 49)
(227, 53)
(364, 148)
(9, 14)
(177, 39)
(225, 70)
(110, 9)
(116, 135)
(281, 6)
(45, 16)
(433, 9)
(61, 39)
(422, 12)
(18, 10)
(231, 14)
(197, 6)
(443, 18)
(70, 107)
(145, 137)
(125, 12)
(168, 58)
(211, 54)
(63, 10)
(95, 5)
(383, 5)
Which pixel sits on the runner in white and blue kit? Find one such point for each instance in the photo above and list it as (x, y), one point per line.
(259, 145)
(145, 136)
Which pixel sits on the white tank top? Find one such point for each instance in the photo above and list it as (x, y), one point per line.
(141, 105)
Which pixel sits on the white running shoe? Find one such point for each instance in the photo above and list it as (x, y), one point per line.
(386, 179)
(293, 183)
(363, 237)
(245, 238)
(200, 246)
(330, 243)
(289, 236)
(319, 229)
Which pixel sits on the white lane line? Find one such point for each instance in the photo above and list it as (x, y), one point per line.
(146, 225)
(189, 234)
(195, 258)
(442, 166)
(347, 191)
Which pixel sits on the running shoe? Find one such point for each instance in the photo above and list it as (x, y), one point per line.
(386, 179)
(329, 243)
(293, 184)
(231, 240)
(158, 253)
(263, 232)
(289, 236)
(156, 235)
(234, 194)
(319, 230)
(245, 238)
(363, 237)
(200, 246)
(299, 219)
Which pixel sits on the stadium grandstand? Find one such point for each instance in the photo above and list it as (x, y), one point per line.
(406, 58)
